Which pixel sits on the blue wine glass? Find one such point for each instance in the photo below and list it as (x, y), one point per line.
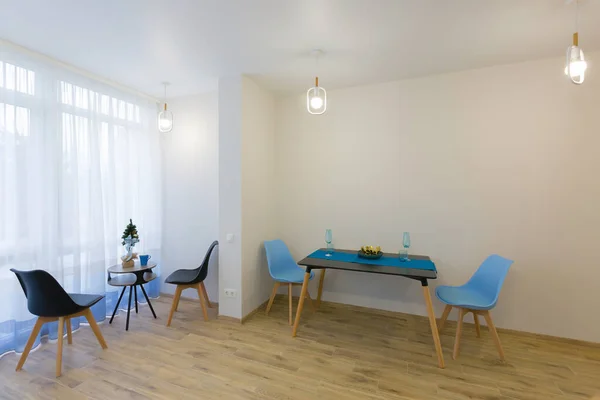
(406, 245)
(328, 240)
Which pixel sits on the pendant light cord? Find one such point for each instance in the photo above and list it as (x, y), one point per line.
(576, 15)
(165, 85)
(317, 69)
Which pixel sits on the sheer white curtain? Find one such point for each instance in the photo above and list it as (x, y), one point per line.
(78, 159)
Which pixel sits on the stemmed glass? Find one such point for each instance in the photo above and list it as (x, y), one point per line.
(406, 245)
(328, 240)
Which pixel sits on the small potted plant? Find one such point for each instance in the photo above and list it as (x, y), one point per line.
(130, 238)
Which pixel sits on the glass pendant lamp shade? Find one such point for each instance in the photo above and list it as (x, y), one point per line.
(165, 117)
(576, 65)
(165, 120)
(316, 99)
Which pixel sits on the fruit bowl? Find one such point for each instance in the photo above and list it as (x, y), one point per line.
(370, 252)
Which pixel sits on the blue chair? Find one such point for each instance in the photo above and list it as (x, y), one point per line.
(478, 296)
(283, 270)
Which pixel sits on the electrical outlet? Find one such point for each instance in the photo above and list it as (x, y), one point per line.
(230, 292)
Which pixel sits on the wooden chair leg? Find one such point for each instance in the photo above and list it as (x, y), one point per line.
(60, 339)
(477, 326)
(95, 328)
(205, 294)
(459, 326)
(290, 286)
(69, 332)
(275, 287)
(444, 317)
(180, 289)
(202, 302)
(492, 328)
(36, 330)
(310, 300)
(175, 304)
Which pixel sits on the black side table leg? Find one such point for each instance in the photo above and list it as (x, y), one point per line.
(148, 300)
(128, 309)
(117, 306)
(136, 306)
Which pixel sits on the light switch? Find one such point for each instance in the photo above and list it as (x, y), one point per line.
(229, 238)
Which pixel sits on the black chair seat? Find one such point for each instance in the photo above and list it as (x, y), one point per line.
(192, 276)
(85, 300)
(184, 277)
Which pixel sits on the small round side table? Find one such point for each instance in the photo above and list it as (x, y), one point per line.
(131, 277)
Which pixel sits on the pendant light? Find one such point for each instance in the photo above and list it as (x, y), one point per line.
(165, 117)
(576, 65)
(316, 97)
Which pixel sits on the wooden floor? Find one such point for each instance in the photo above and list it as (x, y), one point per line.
(341, 352)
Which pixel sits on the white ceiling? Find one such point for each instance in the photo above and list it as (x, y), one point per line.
(141, 43)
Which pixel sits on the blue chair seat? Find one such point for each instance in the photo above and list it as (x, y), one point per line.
(293, 274)
(459, 296)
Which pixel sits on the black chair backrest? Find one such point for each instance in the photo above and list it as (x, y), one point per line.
(203, 268)
(45, 296)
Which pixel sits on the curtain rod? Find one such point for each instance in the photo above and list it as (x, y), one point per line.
(79, 71)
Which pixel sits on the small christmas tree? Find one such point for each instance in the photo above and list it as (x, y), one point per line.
(130, 238)
(130, 230)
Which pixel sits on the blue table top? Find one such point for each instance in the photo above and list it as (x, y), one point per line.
(387, 260)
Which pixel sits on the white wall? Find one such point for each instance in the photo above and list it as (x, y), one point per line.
(258, 189)
(246, 201)
(497, 160)
(190, 189)
(230, 194)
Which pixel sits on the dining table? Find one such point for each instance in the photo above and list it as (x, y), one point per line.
(418, 267)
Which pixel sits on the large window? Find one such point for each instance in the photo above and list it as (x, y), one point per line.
(78, 159)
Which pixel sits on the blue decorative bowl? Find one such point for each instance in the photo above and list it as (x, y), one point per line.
(362, 254)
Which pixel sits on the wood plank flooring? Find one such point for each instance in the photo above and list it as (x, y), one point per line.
(341, 352)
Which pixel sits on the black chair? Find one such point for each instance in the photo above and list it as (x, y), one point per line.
(49, 301)
(191, 278)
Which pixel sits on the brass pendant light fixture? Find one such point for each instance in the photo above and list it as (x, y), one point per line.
(316, 97)
(165, 117)
(576, 65)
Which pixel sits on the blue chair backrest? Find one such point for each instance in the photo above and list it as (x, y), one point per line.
(490, 275)
(279, 258)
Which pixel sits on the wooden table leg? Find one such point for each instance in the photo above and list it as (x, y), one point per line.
(433, 325)
(301, 302)
(321, 279)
